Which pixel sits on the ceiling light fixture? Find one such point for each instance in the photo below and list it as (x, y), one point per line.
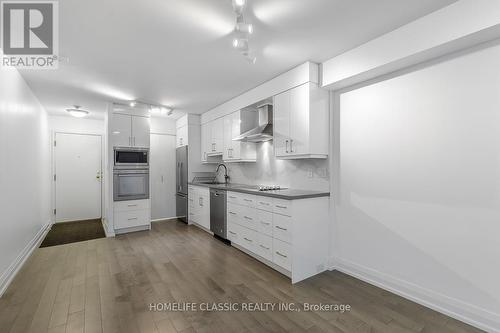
(238, 6)
(77, 112)
(133, 104)
(240, 44)
(242, 30)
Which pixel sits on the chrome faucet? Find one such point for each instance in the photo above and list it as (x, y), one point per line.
(226, 177)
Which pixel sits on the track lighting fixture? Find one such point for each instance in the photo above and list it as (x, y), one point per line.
(242, 31)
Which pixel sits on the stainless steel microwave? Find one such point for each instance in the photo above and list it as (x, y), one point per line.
(130, 184)
(131, 158)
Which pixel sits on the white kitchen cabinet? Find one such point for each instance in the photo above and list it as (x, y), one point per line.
(141, 131)
(280, 232)
(130, 131)
(121, 130)
(132, 214)
(217, 136)
(182, 138)
(205, 141)
(234, 125)
(301, 123)
(199, 206)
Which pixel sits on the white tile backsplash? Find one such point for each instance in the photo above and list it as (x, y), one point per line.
(288, 173)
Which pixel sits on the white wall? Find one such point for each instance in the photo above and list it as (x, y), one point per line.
(418, 210)
(288, 173)
(71, 124)
(24, 172)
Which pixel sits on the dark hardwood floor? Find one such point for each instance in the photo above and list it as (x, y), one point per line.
(106, 285)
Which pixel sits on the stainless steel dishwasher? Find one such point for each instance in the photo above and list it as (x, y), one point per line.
(218, 219)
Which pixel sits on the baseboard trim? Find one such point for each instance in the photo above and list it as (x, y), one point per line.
(11, 272)
(465, 312)
(105, 226)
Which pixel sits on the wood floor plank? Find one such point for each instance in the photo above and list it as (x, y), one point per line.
(107, 285)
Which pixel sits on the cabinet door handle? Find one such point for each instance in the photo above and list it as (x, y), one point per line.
(248, 218)
(131, 205)
(232, 197)
(265, 223)
(264, 247)
(248, 240)
(134, 218)
(232, 233)
(282, 207)
(248, 200)
(291, 146)
(264, 203)
(286, 145)
(232, 213)
(281, 255)
(280, 228)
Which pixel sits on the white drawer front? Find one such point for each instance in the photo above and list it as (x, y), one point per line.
(234, 213)
(130, 219)
(264, 203)
(282, 254)
(282, 228)
(265, 222)
(232, 197)
(283, 207)
(126, 206)
(233, 232)
(265, 246)
(248, 218)
(249, 239)
(248, 200)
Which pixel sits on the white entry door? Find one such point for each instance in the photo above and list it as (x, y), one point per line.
(162, 176)
(78, 176)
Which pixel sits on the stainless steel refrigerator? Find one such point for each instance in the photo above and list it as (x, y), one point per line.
(182, 183)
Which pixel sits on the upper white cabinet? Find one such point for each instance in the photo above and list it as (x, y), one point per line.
(234, 125)
(301, 123)
(130, 131)
(182, 136)
(212, 139)
(141, 131)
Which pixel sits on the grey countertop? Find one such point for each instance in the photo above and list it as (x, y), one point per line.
(287, 194)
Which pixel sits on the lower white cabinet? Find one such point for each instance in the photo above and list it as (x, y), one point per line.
(132, 214)
(288, 235)
(199, 206)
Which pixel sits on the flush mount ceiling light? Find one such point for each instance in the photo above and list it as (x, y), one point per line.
(77, 112)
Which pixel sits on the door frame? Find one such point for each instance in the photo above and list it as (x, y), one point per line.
(53, 169)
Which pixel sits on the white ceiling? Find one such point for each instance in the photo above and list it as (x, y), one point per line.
(178, 52)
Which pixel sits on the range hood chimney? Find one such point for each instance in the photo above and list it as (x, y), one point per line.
(263, 132)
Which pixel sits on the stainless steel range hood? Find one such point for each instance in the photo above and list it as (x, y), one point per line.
(263, 132)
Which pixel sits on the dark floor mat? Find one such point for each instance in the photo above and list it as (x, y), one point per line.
(72, 232)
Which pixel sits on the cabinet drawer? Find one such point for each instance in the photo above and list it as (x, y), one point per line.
(248, 239)
(127, 206)
(248, 200)
(232, 197)
(265, 246)
(282, 228)
(264, 203)
(248, 218)
(283, 207)
(265, 222)
(130, 219)
(282, 254)
(234, 213)
(233, 232)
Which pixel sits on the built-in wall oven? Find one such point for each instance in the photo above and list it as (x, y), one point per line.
(131, 158)
(130, 184)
